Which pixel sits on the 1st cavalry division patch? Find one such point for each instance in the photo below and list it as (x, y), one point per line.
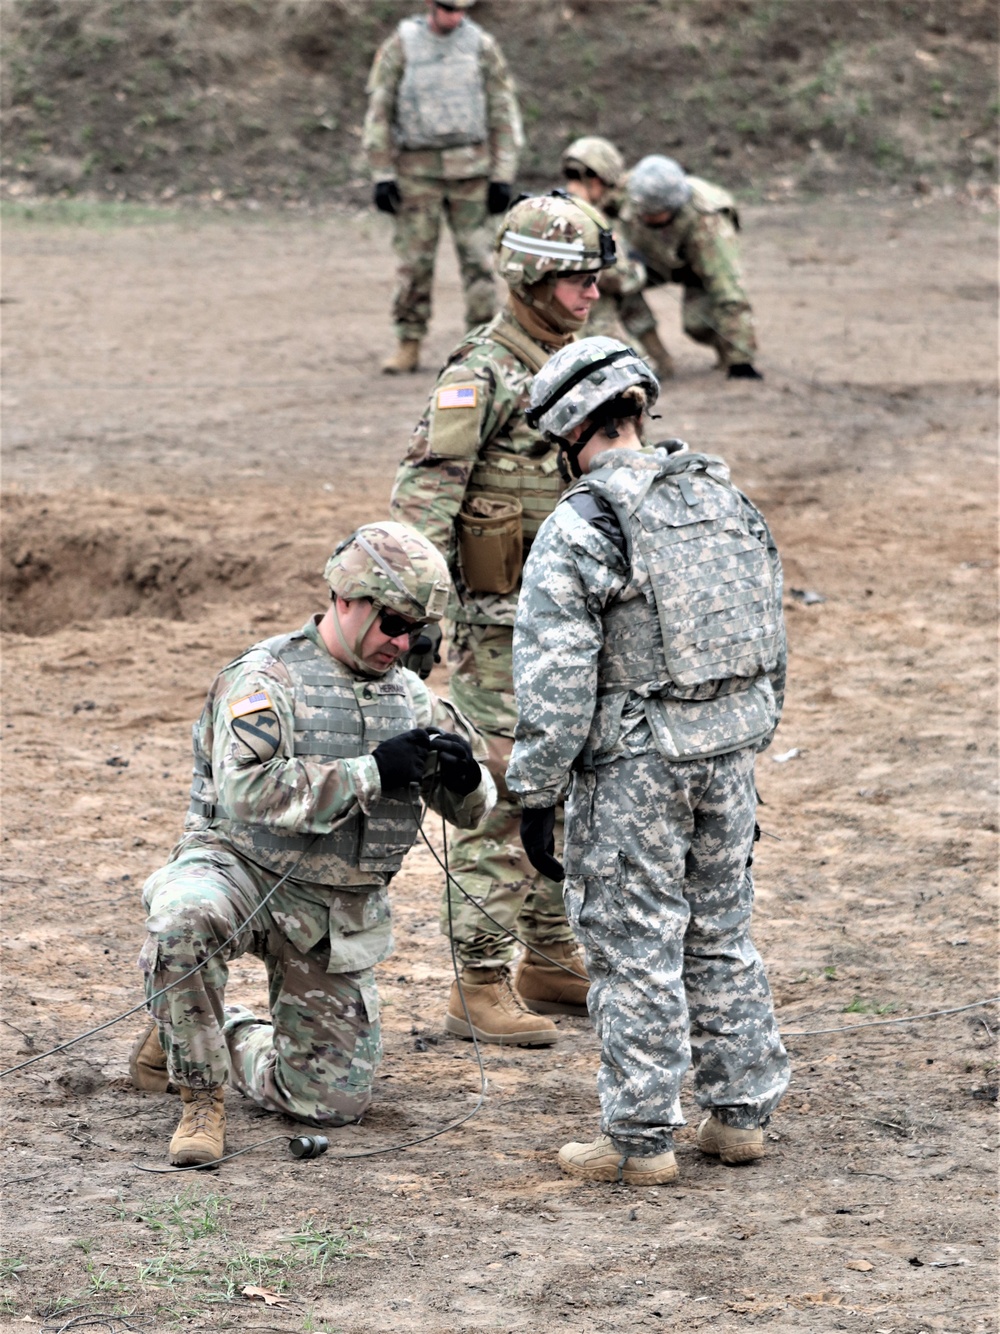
(256, 727)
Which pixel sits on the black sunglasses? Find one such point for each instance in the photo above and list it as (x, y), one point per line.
(394, 625)
(576, 174)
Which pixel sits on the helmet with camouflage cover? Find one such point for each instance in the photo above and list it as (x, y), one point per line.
(658, 185)
(593, 381)
(548, 235)
(598, 155)
(395, 566)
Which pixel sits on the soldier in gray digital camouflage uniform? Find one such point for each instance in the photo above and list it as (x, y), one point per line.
(308, 757)
(649, 660)
(443, 135)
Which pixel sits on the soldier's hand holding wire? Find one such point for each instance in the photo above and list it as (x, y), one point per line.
(538, 840)
(457, 766)
(387, 197)
(498, 197)
(402, 759)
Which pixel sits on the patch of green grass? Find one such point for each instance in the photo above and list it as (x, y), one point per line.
(98, 214)
(322, 1244)
(830, 972)
(265, 1271)
(187, 1216)
(861, 1006)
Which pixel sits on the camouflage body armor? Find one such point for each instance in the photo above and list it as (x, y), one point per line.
(699, 646)
(337, 717)
(441, 102)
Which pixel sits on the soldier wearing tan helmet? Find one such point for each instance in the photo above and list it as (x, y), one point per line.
(308, 757)
(478, 481)
(593, 169)
(443, 134)
(685, 229)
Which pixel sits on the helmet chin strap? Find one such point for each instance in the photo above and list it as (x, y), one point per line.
(357, 662)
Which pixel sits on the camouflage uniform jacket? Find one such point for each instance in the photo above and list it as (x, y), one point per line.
(698, 250)
(286, 794)
(495, 159)
(485, 446)
(578, 578)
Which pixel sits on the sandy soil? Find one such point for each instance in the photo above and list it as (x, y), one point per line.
(193, 416)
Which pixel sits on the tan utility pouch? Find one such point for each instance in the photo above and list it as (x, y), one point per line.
(490, 543)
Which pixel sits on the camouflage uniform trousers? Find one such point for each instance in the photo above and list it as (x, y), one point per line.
(415, 241)
(489, 862)
(315, 1059)
(660, 894)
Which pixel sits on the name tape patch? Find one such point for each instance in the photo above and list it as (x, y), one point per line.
(458, 396)
(255, 703)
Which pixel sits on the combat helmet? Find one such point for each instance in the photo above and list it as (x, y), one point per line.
(598, 155)
(658, 185)
(397, 568)
(589, 381)
(544, 236)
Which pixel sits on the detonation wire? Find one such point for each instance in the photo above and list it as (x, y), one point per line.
(881, 1023)
(409, 1143)
(143, 1004)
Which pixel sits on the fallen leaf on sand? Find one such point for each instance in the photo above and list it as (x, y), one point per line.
(264, 1295)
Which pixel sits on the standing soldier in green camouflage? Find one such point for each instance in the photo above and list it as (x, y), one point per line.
(478, 481)
(442, 134)
(594, 170)
(649, 667)
(308, 756)
(685, 230)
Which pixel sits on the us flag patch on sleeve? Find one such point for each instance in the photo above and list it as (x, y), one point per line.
(255, 703)
(458, 396)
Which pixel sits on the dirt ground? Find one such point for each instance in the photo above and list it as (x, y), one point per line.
(193, 416)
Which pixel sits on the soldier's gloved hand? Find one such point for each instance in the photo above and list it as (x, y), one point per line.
(538, 840)
(743, 371)
(402, 759)
(387, 196)
(424, 652)
(459, 770)
(498, 197)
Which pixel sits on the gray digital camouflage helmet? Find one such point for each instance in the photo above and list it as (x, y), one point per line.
(658, 185)
(577, 382)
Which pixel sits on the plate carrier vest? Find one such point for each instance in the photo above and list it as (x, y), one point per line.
(337, 717)
(709, 626)
(441, 100)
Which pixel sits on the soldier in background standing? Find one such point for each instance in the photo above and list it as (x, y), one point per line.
(442, 134)
(649, 667)
(593, 169)
(478, 480)
(685, 230)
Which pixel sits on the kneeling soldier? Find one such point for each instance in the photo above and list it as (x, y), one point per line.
(308, 755)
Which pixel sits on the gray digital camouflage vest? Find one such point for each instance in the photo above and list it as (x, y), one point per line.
(441, 100)
(698, 646)
(337, 717)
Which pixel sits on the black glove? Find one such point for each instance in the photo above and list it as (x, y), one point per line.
(458, 768)
(424, 652)
(743, 371)
(498, 197)
(538, 841)
(402, 759)
(387, 196)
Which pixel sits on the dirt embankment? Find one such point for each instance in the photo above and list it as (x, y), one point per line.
(247, 100)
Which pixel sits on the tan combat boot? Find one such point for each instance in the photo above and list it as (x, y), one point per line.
(729, 1144)
(201, 1135)
(601, 1161)
(405, 360)
(657, 355)
(496, 1013)
(147, 1063)
(546, 988)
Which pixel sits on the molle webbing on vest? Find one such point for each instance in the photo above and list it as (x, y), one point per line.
(523, 347)
(336, 717)
(441, 99)
(531, 478)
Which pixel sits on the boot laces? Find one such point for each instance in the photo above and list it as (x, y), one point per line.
(200, 1111)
